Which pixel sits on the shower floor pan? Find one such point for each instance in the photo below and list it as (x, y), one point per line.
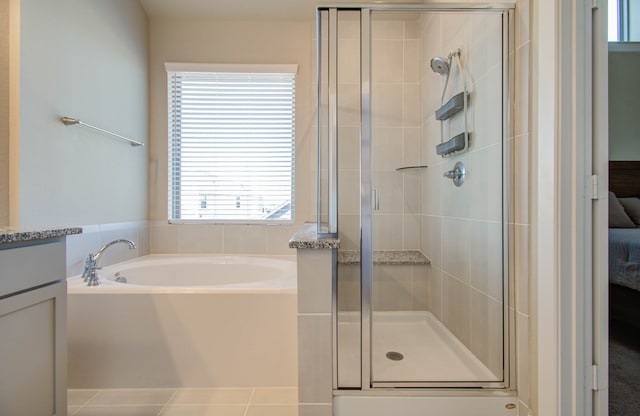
(409, 348)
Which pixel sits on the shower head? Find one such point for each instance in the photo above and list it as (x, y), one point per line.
(440, 65)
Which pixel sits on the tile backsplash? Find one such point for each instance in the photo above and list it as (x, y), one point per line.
(220, 238)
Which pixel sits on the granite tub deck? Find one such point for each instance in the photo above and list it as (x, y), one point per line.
(10, 235)
(307, 238)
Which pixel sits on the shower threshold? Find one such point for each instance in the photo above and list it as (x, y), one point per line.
(431, 355)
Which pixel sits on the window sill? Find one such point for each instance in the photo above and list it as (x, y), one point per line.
(232, 222)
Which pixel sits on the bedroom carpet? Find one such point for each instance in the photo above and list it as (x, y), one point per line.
(624, 370)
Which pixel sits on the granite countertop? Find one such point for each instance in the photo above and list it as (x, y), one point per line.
(399, 257)
(16, 235)
(307, 237)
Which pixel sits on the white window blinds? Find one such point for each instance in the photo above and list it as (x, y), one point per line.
(231, 142)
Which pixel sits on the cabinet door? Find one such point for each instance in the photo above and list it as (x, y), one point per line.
(33, 352)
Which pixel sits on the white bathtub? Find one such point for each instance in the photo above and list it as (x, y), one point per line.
(185, 321)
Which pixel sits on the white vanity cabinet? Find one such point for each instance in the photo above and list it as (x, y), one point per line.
(33, 348)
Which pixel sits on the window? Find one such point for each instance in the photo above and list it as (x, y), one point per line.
(624, 21)
(231, 142)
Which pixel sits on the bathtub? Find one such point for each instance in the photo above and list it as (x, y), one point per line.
(185, 321)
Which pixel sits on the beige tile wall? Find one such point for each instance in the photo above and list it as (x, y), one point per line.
(315, 344)
(461, 226)
(395, 287)
(349, 131)
(220, 239)
(396, 111)
(396, 114)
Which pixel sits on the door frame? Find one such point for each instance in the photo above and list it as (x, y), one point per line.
(600, 218)
(569, 188)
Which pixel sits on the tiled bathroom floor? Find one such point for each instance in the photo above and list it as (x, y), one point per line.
(184, 402)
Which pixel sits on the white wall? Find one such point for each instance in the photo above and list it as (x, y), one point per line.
(83, 59)
(193, 40)
(624, 90)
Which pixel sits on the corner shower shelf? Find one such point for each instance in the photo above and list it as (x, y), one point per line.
(412, 167)
(401, 257)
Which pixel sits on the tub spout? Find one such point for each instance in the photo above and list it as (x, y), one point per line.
(91, 265)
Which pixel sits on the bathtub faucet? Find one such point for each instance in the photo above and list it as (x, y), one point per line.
(90, 274)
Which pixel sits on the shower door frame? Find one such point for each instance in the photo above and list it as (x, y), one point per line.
(366, 206)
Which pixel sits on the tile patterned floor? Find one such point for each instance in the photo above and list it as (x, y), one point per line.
(184, 402)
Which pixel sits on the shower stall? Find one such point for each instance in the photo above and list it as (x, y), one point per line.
(415, 156)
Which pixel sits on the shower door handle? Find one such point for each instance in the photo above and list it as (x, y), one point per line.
(376, 200)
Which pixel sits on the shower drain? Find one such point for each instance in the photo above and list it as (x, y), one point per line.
(394, 356)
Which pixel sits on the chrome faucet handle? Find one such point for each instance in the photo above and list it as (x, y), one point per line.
(89, 265)
(85, 272)
(93, 280)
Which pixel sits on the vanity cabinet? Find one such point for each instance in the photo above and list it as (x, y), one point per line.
(33, 352)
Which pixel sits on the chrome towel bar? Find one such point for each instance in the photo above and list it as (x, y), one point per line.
(68, 121)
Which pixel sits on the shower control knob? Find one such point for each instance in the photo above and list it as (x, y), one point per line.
(458, 174)
(452, 174)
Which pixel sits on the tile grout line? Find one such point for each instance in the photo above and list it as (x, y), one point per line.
(83, 405)
(163, 407)
(175, 392)
(246, 410)
(88, 405)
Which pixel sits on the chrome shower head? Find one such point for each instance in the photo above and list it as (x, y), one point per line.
(440, 65)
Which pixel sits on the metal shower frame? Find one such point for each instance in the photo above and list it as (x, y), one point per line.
(366, 214)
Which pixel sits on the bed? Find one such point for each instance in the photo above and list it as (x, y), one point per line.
(624, 241)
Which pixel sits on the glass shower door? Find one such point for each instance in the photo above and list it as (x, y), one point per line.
(422, 207)
(437, 272)
(399, 284)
